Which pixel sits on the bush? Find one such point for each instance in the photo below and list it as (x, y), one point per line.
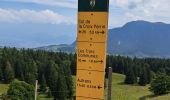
(160, 85)
(19, 90)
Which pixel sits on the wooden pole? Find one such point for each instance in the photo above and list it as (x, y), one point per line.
(36, 85)
(110, 83)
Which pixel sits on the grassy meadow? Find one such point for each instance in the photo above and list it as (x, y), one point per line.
(3, 88)
(120, 91)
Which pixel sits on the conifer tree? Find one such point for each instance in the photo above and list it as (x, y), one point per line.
(30, 73)
(20, 69)
(1, 74)
(43, 85)
(130, 77)
(148, 73)
(143, 78)
(68, 78)
(8, 72)
(52, 78)
(62, 87)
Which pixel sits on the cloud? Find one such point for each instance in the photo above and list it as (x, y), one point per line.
(33, 16)
(149, 10)
(121, 11)
(144, 7)
(61, 3)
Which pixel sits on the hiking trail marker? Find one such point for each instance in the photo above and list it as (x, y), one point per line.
(91, 49)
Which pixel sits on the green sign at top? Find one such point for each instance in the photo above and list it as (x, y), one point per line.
(93, 5)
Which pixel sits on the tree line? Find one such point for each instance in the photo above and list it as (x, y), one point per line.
(52, 70)
(143, 71)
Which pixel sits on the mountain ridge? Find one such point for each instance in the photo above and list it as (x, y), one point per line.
(137, 38)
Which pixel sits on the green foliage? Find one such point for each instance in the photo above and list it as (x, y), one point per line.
(121, 65)
(28, 65)
(68, 78)
(143, 78)
(62, 87)
(73, 63)
(52, 77)
(20, 90)
(160, 84)
(149, 73)
(1, 74)
(131, 92)
(130, 77)
(49, 94)
(43, 85)
(8, 72)
(30, 73)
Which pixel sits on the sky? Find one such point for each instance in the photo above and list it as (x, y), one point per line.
(35, 23)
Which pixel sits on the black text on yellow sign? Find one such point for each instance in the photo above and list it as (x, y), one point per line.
(90, 84)
(91, 49)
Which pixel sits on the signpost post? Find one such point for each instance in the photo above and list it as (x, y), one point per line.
(91, 49)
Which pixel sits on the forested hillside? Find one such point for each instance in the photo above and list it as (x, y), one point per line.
(53, 70)
(139, 70)
(122, 64)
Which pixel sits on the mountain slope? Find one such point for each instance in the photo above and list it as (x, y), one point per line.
(140, 38)
(137, 38)
(58, 48)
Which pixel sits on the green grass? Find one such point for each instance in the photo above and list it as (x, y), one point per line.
(74, 85)
(120, 91)
(43, 97)
(3, 88)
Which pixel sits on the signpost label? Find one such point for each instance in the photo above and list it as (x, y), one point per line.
(91, 49)
(91, 56)
(92, 26)
(90, 84)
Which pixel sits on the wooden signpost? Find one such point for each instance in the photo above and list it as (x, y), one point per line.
(91, 49)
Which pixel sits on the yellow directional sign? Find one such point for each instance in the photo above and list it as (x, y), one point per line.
(91, 83)
(92, 26)
(91, 56)
(91, 49)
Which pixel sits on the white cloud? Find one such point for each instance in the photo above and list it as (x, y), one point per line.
(149, 10)
(121, 11)
(152, 7)
(26, 15)
(61, 3)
